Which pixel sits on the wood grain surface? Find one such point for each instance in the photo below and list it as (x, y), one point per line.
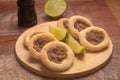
(114, 8)
(102, 13)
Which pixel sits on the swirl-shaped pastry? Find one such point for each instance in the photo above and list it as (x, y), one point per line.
(63, 23)
(57, 56)
(94, 38)
(77, 24)
(37, 42)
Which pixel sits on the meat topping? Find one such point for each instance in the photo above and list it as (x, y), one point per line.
(57, 54)
(38, 44)
(95, 37)
(65, 23)
(80, 25)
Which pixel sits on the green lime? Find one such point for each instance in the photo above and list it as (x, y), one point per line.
(59, 33)
(55, 8)
(74, 45)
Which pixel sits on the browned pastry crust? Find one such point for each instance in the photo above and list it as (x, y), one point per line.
(37, 42)
(65, 64)
(28, 37)
(94, 38)
(75, 27)
(63, 23)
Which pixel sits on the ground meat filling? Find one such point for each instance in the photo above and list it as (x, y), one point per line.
(38, 44)
(65, 23)
(95, 37)
(57, 54)
(80, 25)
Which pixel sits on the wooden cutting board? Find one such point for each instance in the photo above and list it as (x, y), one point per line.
(83, 65)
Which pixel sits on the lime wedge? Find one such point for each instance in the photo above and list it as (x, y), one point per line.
(74, 45)
(59, 33)
(55, 8)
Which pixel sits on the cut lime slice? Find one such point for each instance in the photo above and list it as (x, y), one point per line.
(55, 8)
(59, 33)
(74, 45)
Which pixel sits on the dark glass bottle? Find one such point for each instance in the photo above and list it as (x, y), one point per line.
(26, 13)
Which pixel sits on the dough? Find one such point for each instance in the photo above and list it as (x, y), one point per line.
(37, 42)
(77, 24)
(28, 37)
(61, 55)
(63, 23)
(94, 38)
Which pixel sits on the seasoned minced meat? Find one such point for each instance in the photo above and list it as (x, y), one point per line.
(65, 23)
(57, 54)
(95, 37)
(38, 45)
(80, 25)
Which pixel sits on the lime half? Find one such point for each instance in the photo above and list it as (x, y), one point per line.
(55, 8)
(59, 33)
(74, 45)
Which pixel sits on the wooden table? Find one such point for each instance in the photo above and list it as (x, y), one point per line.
(103, 13)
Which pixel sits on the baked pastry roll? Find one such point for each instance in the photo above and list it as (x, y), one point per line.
(94, 38)
(77, 24)
(37, 42)
(57, 56)
(28, 37)
(63, 23)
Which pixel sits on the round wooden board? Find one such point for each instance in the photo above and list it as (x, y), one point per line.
(83, 65)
